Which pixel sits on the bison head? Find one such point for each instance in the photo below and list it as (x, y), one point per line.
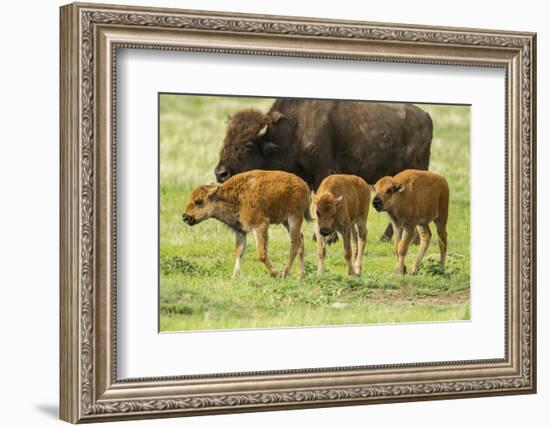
(201, 204)
(246, 145)
(323, 209)
(385, 191)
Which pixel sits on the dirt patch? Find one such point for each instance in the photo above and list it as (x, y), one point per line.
(408, 296)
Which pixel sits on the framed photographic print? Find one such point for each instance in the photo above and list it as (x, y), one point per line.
(265, 212)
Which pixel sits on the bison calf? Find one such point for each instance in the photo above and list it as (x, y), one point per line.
(414, 198)
(251, 201)
(341, 204)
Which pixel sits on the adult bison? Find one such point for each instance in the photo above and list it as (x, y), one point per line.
(316, 138)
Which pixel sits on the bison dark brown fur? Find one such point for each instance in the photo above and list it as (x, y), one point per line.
(317, 138)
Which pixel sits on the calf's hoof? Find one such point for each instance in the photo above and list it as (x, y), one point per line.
(402, 270)
(331, 238)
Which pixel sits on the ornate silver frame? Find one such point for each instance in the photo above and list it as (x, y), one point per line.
(90, 36)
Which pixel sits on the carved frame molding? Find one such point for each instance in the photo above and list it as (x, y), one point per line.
(90, 37)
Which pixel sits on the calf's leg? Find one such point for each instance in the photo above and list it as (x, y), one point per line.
(321, 249)
(425, 236)
(353, 233)
(402, 248)
(442, 234)
(361, 243)
(388, 233)
(240, 246)
(301, 257)
(296, 242)
(346, 238)
(397, 232)
(261, 247)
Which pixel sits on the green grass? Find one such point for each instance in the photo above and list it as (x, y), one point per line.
(196, 288)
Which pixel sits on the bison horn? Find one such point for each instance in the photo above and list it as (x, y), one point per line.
(262, 132)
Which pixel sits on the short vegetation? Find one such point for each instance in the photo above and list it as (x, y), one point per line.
(196, 288)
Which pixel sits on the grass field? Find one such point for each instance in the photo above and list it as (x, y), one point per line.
(196, 288)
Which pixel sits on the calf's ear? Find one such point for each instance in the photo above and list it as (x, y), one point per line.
(338, 200)
(372, 189)
(269, 148)
(399, 188)
(213, 191)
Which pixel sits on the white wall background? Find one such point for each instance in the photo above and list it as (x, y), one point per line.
(29, 171)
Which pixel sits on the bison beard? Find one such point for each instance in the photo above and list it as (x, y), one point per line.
(317, 138)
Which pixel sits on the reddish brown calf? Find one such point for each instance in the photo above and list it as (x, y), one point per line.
(414, 198)
(342, 205)
(252, 201)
